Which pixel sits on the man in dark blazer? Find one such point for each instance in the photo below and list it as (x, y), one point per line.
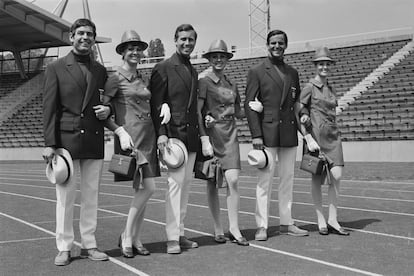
(276, 85)
(174, 81)
(73, 119)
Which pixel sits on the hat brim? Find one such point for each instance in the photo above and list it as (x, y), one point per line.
(67, 159)
(265, 159)
(183, 148)
(207, 55)
(323, 59)
(141, 44)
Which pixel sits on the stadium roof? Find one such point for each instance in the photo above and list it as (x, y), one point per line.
(25, 26)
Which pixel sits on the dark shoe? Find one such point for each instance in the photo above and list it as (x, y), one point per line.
(173, 247)
(261, 234)
(62, 258)
(187, 244)
(323, 231)
(240, 241)
(220, 239)
(94, 254)
(127, 252)
(292, 230)
(341, 231)
(141, 250)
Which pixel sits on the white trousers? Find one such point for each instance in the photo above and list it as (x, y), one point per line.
(286, 158)
(176, 198)
(90, 176)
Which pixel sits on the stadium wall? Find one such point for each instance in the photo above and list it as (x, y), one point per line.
(363, 151)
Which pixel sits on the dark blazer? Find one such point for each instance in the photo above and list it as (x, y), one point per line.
(69, 120)
(277, 123)
(172, 83)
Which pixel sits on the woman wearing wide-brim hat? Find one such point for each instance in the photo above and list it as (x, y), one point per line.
(129, 98)
(218, 108)
(318, 125)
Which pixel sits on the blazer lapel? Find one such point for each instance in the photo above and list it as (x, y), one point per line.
(91, 82)
(286, 87)
(272, 72)
(75, 71)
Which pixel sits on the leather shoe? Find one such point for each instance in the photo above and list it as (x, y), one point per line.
(323, 231)
(141, 250)
(240, 241)
(220, 239)
(187, 244)
(173, 247)
(292, 230)
(261, 234)
(62, 258)
(94, 254)
(341, 231)
(127, 252)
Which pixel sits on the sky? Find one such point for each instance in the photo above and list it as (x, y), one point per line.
(302, 20)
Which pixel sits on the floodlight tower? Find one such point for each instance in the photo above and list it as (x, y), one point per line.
(259, 22)
(87, 15)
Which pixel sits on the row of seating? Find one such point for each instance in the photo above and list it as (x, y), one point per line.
(383, 112)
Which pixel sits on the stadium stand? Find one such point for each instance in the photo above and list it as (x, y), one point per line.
(384, 112)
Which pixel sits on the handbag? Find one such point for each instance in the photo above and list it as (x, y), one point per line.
(211, 170)
(313, 164)
(125, 166)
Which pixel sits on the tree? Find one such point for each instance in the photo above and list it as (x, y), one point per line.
(156, 49)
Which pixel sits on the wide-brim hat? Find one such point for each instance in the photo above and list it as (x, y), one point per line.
(323, 54)
(132, 37)
(176, 155)
(259, 159)
(217, 46)
(60, 168)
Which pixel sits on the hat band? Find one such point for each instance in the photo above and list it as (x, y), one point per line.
(267, 158)
(67, 166)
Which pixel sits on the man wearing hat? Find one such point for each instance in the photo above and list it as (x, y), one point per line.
(174, 81)
(73, 119)
(276, 85)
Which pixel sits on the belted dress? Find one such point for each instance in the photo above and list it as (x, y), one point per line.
(320, 101)
(222, 102)
(130, 100)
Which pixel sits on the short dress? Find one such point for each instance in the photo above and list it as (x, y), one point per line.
(130, 100)
(321, 102)
(220, 98)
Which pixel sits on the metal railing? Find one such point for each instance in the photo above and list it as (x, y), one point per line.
(30, 64)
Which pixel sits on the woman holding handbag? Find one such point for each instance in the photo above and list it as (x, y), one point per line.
(218, 107)
(318, 125)
(129, 98)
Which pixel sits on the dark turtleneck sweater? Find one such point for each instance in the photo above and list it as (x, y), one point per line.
(280, 66)
(186, 61)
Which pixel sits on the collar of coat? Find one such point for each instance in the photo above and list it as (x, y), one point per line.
(130, 76)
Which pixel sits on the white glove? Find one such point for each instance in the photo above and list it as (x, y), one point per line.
(206, 146)
(209, 121)
(312, 145)
(256, 105)
(124, 138)
(165, 113)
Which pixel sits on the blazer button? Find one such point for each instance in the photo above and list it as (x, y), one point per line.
(82, 131)
(138, 102)
(280, 121)
(82, 115)
(96, 132)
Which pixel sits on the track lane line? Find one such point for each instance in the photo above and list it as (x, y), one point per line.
(111, 259)
(251, 198)
(241, 212)
(281, 252)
